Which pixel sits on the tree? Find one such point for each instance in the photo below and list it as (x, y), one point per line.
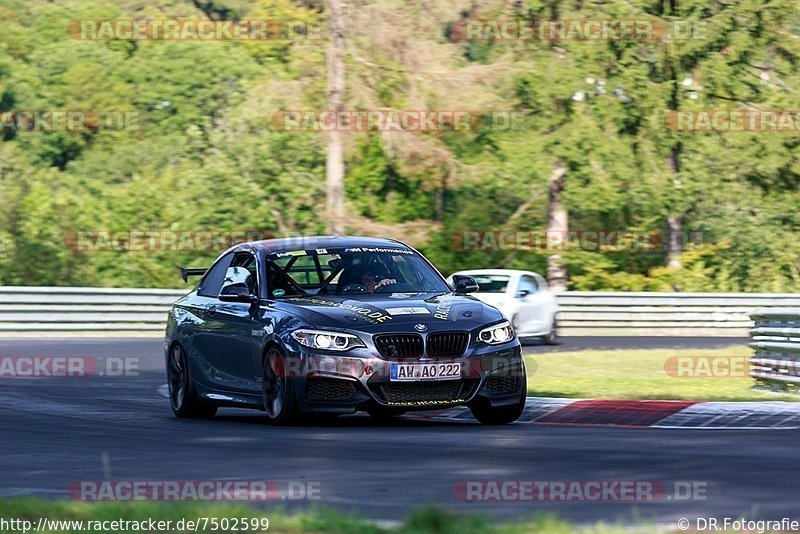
(557, 223)
(334, 163)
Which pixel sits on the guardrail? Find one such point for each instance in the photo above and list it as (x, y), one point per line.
(64, 309)
(83, 309)
(776, 340)
(664, 314)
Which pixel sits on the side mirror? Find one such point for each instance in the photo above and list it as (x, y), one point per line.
(237, 293)
(236, 286)
(464, 284)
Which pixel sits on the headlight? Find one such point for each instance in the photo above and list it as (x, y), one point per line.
(321, 339)
(499, 333)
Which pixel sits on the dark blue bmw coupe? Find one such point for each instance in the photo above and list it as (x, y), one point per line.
(334, 325)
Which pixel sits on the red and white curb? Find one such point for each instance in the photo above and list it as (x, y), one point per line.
(646, 413)
(636, 413)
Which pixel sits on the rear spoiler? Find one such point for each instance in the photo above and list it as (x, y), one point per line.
(186, 273)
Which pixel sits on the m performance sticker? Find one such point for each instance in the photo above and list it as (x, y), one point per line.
(379, 249)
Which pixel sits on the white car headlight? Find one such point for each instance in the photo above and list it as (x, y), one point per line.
(496, 334)
(321, 339)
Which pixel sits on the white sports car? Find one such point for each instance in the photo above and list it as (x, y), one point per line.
(524, 299)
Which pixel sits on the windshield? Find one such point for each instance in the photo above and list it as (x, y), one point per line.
(347, 271)
(492, 283)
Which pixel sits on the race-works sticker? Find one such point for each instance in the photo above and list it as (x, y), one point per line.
(425, 402)
(443, 310)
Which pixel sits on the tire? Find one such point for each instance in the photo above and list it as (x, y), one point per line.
(277, 391)
(552, 337)
(183, 396)
(486, 415)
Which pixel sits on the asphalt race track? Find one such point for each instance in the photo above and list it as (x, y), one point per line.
(59, 430)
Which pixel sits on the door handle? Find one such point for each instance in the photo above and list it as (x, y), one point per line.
(212, 309)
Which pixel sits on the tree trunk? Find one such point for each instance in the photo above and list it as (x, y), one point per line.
(674, 224)
(334, 162)
(557, 223)
(674, 242)
(438, 205)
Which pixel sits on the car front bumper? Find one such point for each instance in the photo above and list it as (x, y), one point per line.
(341, 384)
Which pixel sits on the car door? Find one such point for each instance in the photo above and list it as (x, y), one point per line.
(532, 307)
(225, 341)
(194, 328)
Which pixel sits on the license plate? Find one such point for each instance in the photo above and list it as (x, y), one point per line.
(414, 372)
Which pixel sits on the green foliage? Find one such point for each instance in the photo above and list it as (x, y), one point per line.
(377, 189)
(314, 520)
(204, 154)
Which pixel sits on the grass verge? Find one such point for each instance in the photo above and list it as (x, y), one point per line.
(647, 374)
(316, 521)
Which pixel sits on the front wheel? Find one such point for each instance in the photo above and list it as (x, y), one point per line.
(551, 338)
(182, 394)
(503, 415)
(277, 390)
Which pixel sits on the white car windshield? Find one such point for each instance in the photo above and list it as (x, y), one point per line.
(492, 283)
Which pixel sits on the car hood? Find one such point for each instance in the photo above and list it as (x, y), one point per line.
(392, 312)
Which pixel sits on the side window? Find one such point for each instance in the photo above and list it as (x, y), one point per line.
(528, 284)
(246, 271)
(212, 281)
(541, 282)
